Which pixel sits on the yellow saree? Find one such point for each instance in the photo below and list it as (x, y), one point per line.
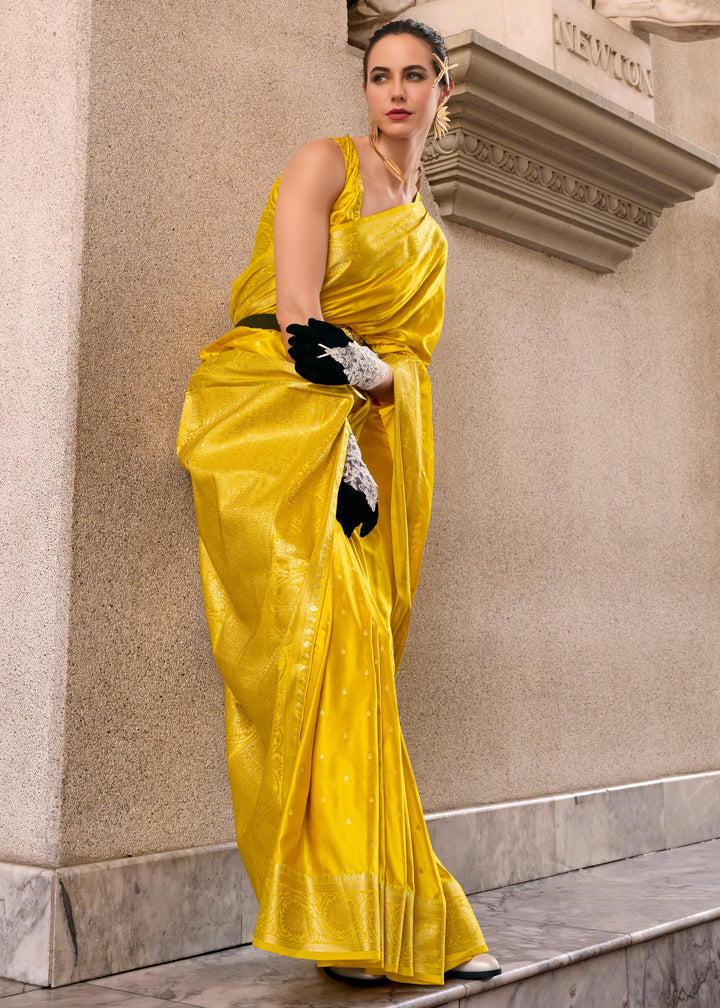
(308, 626)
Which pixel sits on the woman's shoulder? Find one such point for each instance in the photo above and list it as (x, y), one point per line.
(323, 155)
(318, 166)
(328, 167)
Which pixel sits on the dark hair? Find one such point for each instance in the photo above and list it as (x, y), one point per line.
(417, 28)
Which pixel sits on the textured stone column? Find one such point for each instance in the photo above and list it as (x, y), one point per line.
(43, 145)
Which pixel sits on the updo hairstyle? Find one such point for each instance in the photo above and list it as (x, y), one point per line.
(408, 27)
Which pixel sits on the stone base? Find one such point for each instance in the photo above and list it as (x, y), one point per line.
(500, 845)
(639, 933)
(95, 920)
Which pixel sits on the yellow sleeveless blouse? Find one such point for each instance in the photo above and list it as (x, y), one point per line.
(308, 626)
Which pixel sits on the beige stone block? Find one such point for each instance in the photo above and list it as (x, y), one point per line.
(528, 29)
(452, 16)
(610, 61)
(522, 25)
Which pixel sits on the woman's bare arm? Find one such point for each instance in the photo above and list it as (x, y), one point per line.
(312, 181)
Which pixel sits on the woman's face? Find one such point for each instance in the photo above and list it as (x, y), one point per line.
(399, 88)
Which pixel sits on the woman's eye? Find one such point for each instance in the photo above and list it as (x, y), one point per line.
(381, 78)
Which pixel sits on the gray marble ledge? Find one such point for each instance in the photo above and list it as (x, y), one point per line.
(165, 907)
(500, 845)
(10, 987)
(692, 809)
(599, 826)
(598, 983)
(183, 903)
(625, 897)
(671, 927)
(83, 995)
(25, 923)
(528, 947)
(676, 969)
(595, 938)
(240, 978)
(249, 909)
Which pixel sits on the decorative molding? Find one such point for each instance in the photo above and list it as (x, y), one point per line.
(486, 158)
(541, 161)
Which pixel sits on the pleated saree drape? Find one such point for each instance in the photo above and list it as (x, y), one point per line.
(308, 626)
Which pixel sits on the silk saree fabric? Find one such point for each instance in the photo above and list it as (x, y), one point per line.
(307, 625)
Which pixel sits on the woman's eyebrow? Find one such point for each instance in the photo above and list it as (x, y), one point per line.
(413, 66)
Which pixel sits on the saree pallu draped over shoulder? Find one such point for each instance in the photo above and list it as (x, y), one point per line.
(308, 626)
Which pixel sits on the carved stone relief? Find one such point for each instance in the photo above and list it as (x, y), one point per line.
(539, 161)
(365, 16)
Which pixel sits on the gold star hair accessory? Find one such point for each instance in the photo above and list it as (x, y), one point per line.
(445, 68)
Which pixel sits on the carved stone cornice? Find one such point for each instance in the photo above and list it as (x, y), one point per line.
(538, 160)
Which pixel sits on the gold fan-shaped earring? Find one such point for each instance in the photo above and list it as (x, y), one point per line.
(441, 123)
(373, 130)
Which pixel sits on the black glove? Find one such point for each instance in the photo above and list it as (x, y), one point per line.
(326, 355)
(357, 500)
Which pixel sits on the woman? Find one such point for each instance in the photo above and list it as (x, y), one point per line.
(307, 432)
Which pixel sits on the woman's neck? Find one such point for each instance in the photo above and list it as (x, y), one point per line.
(404, 154)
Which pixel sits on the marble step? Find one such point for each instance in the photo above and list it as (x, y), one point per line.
(639, 933)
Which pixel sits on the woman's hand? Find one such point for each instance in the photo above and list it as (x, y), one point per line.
(357, 499)
(325, 354)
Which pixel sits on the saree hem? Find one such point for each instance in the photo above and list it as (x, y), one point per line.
(359, 920)
(370, 964)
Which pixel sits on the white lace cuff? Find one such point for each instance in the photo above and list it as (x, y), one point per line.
(363, 368)
(357, 475)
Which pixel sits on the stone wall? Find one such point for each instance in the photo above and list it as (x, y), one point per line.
(565, 632)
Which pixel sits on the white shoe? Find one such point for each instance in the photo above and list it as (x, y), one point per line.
(681, 22)
(480, 967)
(353, 975)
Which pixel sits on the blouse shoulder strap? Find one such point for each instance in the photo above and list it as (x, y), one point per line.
(347, 205)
